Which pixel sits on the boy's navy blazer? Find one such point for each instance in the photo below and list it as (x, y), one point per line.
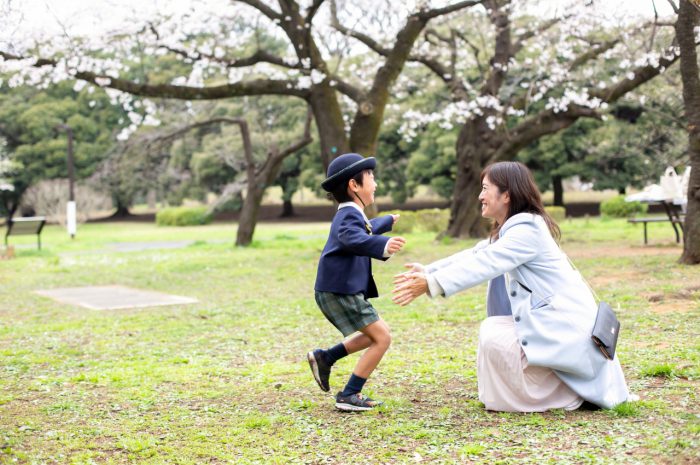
(344, 267)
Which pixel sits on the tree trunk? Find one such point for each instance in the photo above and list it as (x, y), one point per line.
(151, 199)
(258, 182)
(465, 208)
(688, 19)
(287, 209)
(558, 190)
(248, 218)
(122, 210)
(329, 123)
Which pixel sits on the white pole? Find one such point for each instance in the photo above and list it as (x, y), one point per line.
(71, 218)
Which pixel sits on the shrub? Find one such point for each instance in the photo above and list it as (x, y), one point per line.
(429, 220)
(558, 214)
(432, 220)
(406, 223)
(183, 216)
(618, 208)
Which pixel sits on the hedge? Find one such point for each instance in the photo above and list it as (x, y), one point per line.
(183, 216)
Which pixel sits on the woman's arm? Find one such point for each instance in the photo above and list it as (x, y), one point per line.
(518, 246)
(442, 263)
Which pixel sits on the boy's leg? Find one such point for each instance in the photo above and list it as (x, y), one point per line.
(351, 398)
(380, 336)
(357, 342)
(321, 360)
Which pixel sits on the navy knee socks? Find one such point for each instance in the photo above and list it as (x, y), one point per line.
(335, 353)
(355, 385)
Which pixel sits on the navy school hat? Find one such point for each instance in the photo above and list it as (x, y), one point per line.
(343, 168)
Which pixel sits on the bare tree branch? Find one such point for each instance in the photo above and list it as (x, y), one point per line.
(312, 10)
(348, 89)
(260, 56)
(475, 51)
(434, 13)
(262, 8)
(546, 122)
(673, 5)
(522, 38)
(275, 156)
(593, 53)
(162, 140)
(304, 140)
(642, 74)
(364, 38)
(237, 89)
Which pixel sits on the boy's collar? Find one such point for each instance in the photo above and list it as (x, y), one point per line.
(353, 204)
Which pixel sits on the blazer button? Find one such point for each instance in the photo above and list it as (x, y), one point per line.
(517, 319)
(524, 343)
(513, 294)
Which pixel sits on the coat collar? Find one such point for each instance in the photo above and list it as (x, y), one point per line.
(519, 218)
(356, 206)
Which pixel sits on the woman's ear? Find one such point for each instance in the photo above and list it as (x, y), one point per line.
(506, 197)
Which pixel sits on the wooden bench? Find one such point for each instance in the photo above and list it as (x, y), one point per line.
(676, 222)
(24, 226)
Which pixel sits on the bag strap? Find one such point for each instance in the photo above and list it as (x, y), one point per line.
(595, 295)
(582, 277)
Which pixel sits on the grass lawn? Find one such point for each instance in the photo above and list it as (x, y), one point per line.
(226, 381)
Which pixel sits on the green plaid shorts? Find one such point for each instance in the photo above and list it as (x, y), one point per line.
(347, 312)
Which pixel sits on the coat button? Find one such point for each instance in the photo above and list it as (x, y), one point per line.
(517, 318)
(524, 343)
(513, 294)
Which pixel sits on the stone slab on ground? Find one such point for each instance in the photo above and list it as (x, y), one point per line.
(113, 297)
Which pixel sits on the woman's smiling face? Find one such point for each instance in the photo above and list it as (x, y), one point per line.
(494, 203)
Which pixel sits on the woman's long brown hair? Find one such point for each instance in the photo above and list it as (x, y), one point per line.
(516, 179)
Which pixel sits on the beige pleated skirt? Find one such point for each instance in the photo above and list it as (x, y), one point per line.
(507, 383)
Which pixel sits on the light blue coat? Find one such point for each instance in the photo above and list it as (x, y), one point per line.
(554, 321)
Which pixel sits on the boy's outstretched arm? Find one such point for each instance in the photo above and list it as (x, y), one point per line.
(383, 224)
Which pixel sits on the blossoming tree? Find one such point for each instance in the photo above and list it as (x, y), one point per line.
(226, 61)
(514, 79)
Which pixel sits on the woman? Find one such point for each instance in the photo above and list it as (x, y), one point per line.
(535, 348)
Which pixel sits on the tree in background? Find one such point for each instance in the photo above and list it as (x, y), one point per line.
(28, 120)
(227, 59)
(632, 149)
(511, 79)
(687, 32)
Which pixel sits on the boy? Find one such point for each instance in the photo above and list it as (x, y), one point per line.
(344, 279)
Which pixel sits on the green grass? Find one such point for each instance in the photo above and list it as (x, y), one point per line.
(225, 380)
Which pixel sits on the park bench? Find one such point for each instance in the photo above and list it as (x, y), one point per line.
(673, 216)
(24, 226)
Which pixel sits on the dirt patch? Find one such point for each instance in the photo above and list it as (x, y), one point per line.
(601, 281)
(674, 306)
(684, 300)
(581, 251)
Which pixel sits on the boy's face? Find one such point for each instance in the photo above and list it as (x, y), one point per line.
(364, 191)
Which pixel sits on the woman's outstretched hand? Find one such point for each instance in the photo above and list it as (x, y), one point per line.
(409, 284)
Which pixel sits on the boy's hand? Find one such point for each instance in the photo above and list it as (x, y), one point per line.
(395, 244)
(395, 218)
